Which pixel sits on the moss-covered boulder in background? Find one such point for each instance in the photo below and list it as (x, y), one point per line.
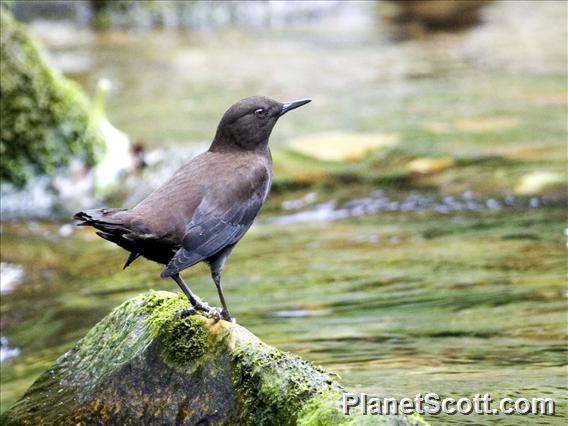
(143, 364)
(44, 118)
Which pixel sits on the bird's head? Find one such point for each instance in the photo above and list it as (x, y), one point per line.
(248, 123)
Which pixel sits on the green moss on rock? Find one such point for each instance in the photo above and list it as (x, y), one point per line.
(184, 340)
(144, 364)
(323, 409)
(273, 386)
(44, 118)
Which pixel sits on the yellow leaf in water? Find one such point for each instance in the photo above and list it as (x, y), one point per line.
(486, 124)
(535, 182)
(426, 166)
(437, 127)
(342, 146)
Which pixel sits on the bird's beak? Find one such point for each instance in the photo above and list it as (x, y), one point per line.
(289, 106)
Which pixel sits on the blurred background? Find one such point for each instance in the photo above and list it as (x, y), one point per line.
(415, 236)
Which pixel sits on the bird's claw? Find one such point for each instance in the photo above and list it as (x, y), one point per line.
(227, 317)
(214, 313)
(220, 314)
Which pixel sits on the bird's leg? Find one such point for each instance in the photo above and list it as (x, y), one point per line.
(216, 275)
(196, 304)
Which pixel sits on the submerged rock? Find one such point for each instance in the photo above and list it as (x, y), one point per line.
(414, 17)
(142, 364)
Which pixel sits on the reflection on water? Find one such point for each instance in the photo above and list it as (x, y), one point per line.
(10, 276)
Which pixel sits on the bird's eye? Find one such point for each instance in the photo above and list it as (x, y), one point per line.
(260, 112)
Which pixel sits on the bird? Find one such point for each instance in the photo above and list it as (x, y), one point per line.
(207, 206)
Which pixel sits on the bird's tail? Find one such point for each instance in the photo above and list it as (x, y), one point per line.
(98, 218)
(111, 226)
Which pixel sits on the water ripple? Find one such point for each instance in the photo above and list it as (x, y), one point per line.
(381, 202)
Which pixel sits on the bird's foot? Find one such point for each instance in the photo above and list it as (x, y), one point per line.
(184, 313)
(196, 308)
(203, 307)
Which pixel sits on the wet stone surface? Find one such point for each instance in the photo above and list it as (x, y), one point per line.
(143, 364)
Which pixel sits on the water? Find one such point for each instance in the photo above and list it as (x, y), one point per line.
(380, 202)
(419, 292)
(396, 303)
(7, 352)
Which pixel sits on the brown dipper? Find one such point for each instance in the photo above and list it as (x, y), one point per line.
(203, 211)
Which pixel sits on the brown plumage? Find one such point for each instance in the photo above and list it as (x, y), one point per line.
(202, 212)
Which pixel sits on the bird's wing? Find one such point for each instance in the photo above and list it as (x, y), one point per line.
(212, 228)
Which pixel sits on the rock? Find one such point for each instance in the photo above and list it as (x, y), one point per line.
(52, 135)
(142, 364)
(44, 117)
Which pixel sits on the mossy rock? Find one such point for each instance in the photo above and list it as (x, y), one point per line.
(45, 119)
(143, 364)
